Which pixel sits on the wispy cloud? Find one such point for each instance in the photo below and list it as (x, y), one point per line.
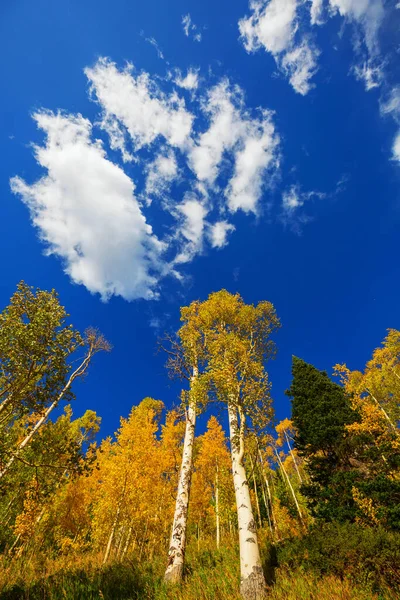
(190, 29)
(155, 45)
(273, 25)
(135, 104)
(391, 106)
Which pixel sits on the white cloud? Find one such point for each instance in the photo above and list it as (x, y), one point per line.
(87, 209)
(189, 82)
(273, 25)
(193, 213)
(249, 143)
(291, 199)
(316, 12)
(161, 173)
(186, 23)
(294, 198)
(87, 214)
(257, 153)
(279, 27)
(366, 13)
(190, 29)
(137, 104)
(396, 147)
(223, 106)
(155, 45)
(392, 107)
(300, 65)
(366, 16)
(219, 233)
(371, 75)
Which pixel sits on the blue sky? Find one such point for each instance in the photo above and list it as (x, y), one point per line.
(155, 152)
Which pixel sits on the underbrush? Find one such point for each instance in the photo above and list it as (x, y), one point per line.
(327, 564)
(367, 556)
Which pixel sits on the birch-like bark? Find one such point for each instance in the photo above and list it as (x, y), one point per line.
(388, 419)
(290, 486)
(273, 520)
(177, 547)
(77, 373)
(128, 539)
(111, 536)
(256, 492)
(217, 524)
(293, 458)
(252, 580)
(267, 509)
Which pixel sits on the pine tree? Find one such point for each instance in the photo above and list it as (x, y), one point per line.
(321, 411)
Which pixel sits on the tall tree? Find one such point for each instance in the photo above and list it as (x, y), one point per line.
(93, 342)
(212, 484)
(186, 357)
(375, 396)
(35, 344)
(321, 411)
(238, 342)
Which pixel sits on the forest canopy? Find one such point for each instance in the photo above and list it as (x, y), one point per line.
(158, 510)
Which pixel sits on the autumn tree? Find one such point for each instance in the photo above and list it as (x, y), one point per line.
(57, 455)
(186, 358)
(36, 369)
(375, 396)
(238, 342)
(212, 480)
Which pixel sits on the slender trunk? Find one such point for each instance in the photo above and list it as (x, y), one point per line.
(177, 547)
(15, 542)
(252, 580)
(115, 523)
(217, 524)
(267, 509)
(78, 372)
(293, 458)
(392, 425)
(290, 486)
(121, 539)
(111, 536)
(144, 539)
(256, 492)
(128, 539)
(273, 520)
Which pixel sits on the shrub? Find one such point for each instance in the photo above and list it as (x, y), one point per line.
(365, 555)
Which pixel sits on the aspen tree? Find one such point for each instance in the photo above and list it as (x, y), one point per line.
(185, 360)
(212, 477)
(94, 343)
(238, 343)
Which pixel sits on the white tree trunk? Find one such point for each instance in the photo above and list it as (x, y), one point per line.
(273, 518)
(217, 524)
(176, 553)
(111, 536)
(77, 373)
(252, 580)
(128, 539)
(290, 486)
(293, 458)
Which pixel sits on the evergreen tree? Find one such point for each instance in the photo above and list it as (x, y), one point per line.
(321, 412)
